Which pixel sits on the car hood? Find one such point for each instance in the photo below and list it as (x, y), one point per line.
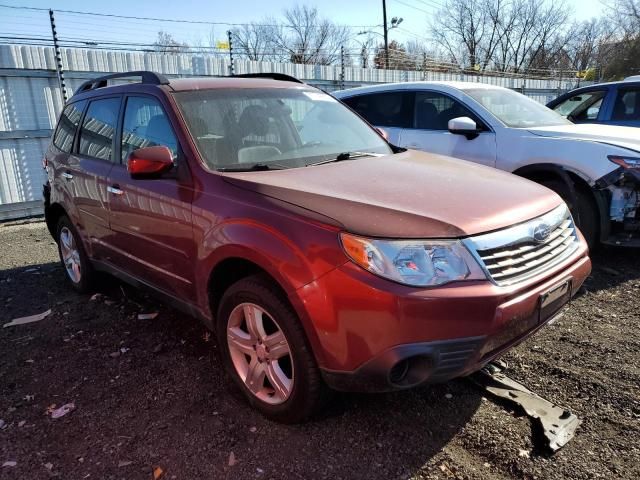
(407, 195)
(625, 137)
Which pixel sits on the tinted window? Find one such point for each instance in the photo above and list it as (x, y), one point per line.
(146, 125)
(69, 120)
(434, 110)
(627, 106)
(98, 128)
(388, 109)
(581, 107)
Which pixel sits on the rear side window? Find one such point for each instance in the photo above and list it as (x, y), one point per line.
(627, 105)
(146, 125)
(67, 126)
(434, 110)
(98, 128)
(387, 109)
(583, 106)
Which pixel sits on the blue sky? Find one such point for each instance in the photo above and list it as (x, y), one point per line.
(415, 13)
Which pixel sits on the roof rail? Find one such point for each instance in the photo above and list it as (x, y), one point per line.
(151, 78)
(274, 76)
(633, 78)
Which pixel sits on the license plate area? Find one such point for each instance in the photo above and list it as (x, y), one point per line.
(554, 299)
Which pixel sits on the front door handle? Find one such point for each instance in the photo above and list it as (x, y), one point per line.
(66, 175)
(115, 190)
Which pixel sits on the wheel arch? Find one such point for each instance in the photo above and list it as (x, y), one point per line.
(52, 215)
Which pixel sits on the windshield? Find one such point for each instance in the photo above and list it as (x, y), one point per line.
(274, 128)
(514, 109)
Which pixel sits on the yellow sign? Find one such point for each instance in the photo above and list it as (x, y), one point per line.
(220, 45)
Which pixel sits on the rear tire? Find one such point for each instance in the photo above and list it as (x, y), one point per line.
(251, 314)
(584, 210)
(75, 262)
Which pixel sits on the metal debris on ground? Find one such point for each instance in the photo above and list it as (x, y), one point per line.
(147, 316)
(558, 424)
(63, 410)
(29, 319)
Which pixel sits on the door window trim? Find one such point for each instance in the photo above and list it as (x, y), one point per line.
(76, 148)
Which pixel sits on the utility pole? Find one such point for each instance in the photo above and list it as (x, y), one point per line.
(56, 49)
(386, 34)
(231, 69)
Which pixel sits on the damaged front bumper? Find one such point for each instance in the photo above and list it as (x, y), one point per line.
(619, 192)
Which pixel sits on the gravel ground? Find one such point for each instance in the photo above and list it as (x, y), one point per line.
(147, 397)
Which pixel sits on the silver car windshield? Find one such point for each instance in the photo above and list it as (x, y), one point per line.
(274, 128)
(514, 109)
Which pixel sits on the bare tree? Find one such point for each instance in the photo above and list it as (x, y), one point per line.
(398, 57)
(254, 41)
(167, 44)
(308, 38)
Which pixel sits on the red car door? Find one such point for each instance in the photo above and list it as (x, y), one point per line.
(150, 219)
(87, 169)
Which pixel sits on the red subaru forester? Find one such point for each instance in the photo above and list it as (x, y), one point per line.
(321, 255)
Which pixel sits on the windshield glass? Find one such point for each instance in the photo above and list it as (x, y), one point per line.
(514, 109)
(278, 127)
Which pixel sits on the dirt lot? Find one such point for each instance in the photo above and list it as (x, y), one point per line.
(147, 395)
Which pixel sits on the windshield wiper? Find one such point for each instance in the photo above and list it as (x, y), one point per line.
(345, 156)
(255, 167)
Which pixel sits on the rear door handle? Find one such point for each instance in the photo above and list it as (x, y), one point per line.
(66, 175)
(115, 190)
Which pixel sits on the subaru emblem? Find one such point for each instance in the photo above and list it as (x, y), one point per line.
(541, 232)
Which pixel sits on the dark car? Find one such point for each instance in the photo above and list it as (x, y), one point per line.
(614, 103)
(319, 254)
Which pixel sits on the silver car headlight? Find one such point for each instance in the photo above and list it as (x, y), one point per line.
(418, 263)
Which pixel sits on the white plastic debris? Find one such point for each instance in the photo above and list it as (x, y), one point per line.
(63, 410)
(9, 463)
(232, 459)
(29, 319)
(147, 316)
(448, 396)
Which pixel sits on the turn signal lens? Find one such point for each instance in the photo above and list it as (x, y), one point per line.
(625, 162)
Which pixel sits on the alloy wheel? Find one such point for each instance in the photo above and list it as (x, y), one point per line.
(70, 255)
(260, 353)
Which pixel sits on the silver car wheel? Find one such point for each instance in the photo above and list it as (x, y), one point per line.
(260, 353)
(70, 255)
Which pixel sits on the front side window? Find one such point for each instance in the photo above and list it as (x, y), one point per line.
(581, 107)
(283, 126)
(69, 120)
(146, 125)
(98, 128)
(434, 110)
(514, 109)
(385, 109)
(627, 105)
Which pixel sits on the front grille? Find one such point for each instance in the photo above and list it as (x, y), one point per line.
(514, 254)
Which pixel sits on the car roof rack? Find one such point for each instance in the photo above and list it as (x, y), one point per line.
(273, 76)
(147, 77)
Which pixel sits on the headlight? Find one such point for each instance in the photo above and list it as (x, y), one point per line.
(418, 263)
(625, 162)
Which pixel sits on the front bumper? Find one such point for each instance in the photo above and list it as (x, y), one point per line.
(375, 335)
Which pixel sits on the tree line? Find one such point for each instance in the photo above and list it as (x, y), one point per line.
(533, 37)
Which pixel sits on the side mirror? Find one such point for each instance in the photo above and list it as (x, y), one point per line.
(464, 126)
(150, 161)
(383, 133)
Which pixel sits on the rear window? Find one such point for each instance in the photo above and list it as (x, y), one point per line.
(385, 109)
(67, 126)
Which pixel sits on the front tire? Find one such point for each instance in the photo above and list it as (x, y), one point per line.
(265, 350)
(583, 209)
(76, 264)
